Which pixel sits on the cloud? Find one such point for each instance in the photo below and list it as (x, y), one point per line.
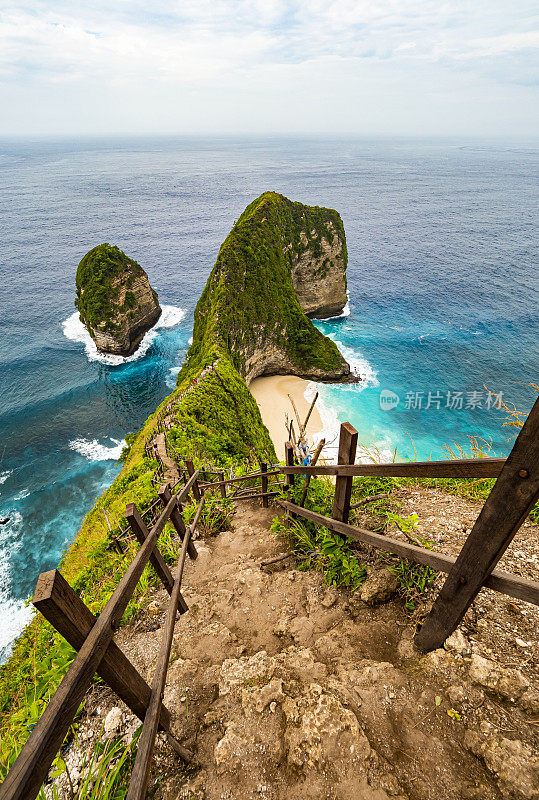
(175, 49)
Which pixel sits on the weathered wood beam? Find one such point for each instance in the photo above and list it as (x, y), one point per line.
(512, 498)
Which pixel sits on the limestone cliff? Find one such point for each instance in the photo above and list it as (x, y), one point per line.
(115, 300)
(319, 264)
(251, 308)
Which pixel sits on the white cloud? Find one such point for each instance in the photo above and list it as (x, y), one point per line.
(218, 49)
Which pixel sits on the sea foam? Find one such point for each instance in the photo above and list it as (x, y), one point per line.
(15, 613)
(94, 451)
(75, 330)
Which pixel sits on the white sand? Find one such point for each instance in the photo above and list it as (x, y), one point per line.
(271, 394)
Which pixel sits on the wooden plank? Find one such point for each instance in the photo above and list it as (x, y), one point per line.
(138, 526)
(257, 495)
(264, 482)
(62, 607)
(343, 484)
(307, 418)
(239, 478)
(33, 762)
(191, 471)
(315, 457)
(176, 516)
(141, 770)
(222, 485)
(499, 581)
(513, 496)
(454, 468)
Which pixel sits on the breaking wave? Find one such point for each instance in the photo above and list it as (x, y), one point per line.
(75, 330)
(94, 451)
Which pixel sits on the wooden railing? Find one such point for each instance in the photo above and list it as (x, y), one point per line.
(92, 636)
(513, 496)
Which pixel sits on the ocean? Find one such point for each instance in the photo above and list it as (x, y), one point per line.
(442, 316)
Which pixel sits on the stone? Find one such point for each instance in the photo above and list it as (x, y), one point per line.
(320, 731)
(457, 643)
(330, 598)
(115, 300)
(379, 587)
(113, 723)
(259, 698)
(529, 701)
(510, 760)
(508, 683)
(237, 673)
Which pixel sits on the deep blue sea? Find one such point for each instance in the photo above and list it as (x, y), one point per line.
(442, 281)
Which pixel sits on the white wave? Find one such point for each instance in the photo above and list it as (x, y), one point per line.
(15, 614)
(359, 366)
(170, 380)
(23, 494)
(75, 330)
(94, 451)
(190, 341)
(5, 475)
(345, 312)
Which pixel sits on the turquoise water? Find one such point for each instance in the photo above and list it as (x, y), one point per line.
(442, 281)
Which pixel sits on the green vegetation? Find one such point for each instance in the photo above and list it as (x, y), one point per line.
(249, 300)
(97, 293)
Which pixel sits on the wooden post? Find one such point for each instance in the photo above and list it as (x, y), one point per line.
(222, 487)
(176, 518)
(63, 608)
(513, 496)
(289, 461)
(33, 762)
(264, 481)
(138, 526)
(314, 459)
(190, 467)
(343, 484)
(310, 411)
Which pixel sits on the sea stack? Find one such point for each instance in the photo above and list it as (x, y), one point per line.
(115, 300)
(272, 269)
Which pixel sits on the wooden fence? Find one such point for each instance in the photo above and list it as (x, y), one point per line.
(513, 496)
(92, 636)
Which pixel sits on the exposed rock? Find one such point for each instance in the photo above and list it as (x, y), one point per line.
(379, 587)
(508, 683)
(513, 763)
(320, 731)
(530, 701)
(457, 643)
(113, 722)
(239, 672)
(115, 300)
(319, 268)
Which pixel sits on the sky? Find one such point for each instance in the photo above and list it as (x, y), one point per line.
(338, 67)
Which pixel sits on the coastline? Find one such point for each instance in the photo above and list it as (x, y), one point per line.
(271, 395)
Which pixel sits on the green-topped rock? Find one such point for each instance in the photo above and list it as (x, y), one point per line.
(274, 261)
(115, 300)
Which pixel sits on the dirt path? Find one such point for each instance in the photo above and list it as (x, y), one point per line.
(288, 689)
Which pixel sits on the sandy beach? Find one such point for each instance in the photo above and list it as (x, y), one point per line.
(271, 394)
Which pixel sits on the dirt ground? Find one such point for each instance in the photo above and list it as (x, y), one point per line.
(286, 688)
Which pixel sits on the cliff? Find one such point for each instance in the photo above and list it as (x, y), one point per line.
(115, 300)
(251, 309)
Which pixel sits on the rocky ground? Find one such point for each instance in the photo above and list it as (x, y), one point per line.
(286, 688)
